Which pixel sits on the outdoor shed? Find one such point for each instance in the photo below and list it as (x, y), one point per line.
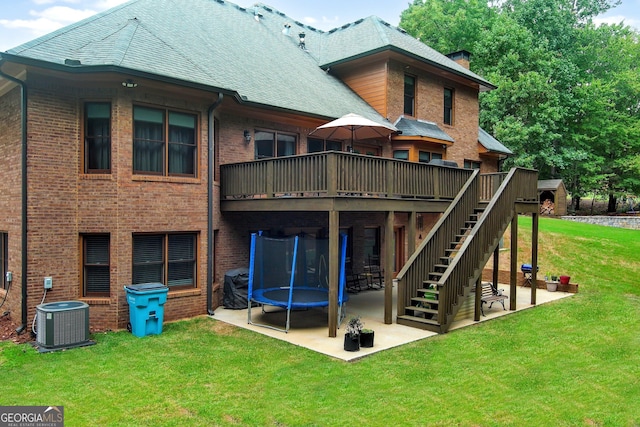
(553, 197)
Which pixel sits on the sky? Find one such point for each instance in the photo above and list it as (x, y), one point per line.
(24, 20)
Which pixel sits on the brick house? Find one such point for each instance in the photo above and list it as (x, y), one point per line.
(135, 151)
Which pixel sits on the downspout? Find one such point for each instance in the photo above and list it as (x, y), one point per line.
(23, 97)
(210, 179)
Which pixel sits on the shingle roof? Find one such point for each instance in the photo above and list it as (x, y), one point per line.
(419, 128)
(491, 144)
(549, 184)
(372, 34)
(220, 46)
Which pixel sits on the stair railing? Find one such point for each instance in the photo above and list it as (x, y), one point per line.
(422, 261)
(466, 266)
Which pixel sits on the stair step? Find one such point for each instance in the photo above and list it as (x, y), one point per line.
(443, 266)
(450, 251)
(418, 322)
(461, 236)
(430, 283)
(425, 300)
(433, 291)
(435, 274)
(446, 260)
(421, 309)
(470, 224)
(479, 210)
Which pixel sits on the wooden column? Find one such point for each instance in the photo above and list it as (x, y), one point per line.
(388, 268)
(334, 257)
(534, 256)
(411, 233)
(478, 310)
(496, 265)
(514, 262)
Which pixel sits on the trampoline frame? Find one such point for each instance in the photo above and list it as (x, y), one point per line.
(258, 296)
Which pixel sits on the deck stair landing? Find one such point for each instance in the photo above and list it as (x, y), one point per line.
(441, 273)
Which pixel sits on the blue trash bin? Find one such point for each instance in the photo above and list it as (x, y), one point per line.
(146, 308)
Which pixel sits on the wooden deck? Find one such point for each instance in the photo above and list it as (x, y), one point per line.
(338, 181)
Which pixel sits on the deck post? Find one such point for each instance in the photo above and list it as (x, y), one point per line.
(534, 257)
(388, 268)
(334, 243)
(389, 180)
(332, 174)
(411, 233)
(478, 301)
(514, 261)
(496, 265)
(269, 178)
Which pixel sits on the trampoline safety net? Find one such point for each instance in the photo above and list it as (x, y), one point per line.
(293, 272)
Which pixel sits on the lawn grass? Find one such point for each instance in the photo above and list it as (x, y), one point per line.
(574, 362)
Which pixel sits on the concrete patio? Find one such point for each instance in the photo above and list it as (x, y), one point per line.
(309, 327)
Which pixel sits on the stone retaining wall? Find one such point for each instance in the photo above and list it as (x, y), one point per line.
(632, 222)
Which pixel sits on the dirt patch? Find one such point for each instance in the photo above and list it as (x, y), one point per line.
(8, 332)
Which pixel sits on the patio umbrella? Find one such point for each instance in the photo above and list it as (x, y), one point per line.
(353, 127)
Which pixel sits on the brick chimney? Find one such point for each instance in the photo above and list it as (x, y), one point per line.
(462, 57)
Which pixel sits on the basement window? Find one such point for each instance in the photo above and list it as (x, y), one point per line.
(169, 259)
(96, 277)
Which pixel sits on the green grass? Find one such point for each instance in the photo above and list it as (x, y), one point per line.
(574, 362)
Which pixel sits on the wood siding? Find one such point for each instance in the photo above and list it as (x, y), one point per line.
(370, 84)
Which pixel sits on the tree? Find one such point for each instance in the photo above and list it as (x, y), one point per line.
(447, 25)
(568, 97)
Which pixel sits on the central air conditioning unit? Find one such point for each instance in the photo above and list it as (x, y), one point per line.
(63, 324)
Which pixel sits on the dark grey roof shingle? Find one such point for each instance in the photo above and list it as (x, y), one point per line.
(491, 144)
(418, 128)
(218, 45)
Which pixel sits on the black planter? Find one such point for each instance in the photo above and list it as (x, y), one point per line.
(366, 339)
(351, 343)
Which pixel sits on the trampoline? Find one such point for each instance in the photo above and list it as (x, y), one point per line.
(292, 273)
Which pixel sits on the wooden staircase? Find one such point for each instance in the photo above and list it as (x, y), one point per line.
(441, 273)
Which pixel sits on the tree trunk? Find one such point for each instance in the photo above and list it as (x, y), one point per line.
(576, 203)
(612, 203)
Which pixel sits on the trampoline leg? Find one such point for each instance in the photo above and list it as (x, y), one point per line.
(288, 319)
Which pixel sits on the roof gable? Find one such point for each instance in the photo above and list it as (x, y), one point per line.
(372, 34)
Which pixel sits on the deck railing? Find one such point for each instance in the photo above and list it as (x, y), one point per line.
(489, 184)
(339, 174)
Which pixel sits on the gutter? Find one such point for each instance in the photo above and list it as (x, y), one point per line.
(23, 102)
(210, 179)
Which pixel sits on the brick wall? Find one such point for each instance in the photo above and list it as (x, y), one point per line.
(10, 193)
(430, 107)
(64, 203)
